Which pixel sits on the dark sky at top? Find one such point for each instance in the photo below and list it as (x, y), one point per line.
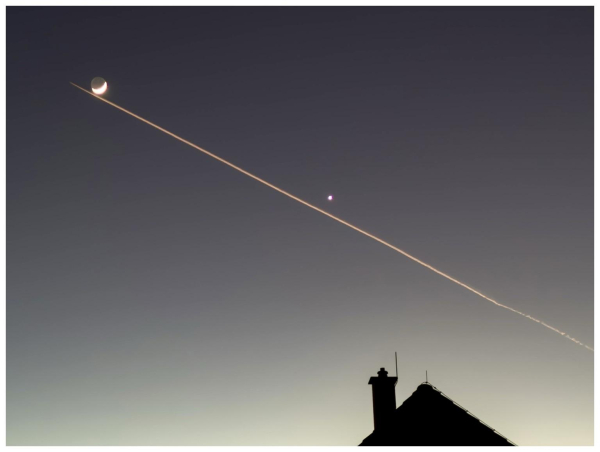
(157, 297)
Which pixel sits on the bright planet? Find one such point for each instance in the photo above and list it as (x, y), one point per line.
(99, 85)
(330, 198)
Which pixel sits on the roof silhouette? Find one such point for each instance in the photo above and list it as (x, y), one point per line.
(430, 418)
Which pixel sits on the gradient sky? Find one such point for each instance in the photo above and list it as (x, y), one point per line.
(157, 297)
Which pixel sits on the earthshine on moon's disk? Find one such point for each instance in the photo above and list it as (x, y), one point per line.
(99, 85)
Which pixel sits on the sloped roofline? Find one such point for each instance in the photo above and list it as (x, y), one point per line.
(469, 413)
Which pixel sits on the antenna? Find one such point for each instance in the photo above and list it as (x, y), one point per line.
(426, 379)
(396, 353)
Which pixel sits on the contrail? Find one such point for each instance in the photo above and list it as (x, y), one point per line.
(289, 195)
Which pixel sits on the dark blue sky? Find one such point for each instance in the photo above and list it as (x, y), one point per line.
(157, 297)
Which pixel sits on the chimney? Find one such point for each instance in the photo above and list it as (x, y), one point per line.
(384, 398)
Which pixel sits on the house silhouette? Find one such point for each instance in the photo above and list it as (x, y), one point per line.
(427, 418)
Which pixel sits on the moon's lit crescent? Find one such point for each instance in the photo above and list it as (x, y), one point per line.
(100, 90)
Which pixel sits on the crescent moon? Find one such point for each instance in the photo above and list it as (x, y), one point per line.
(100, 90)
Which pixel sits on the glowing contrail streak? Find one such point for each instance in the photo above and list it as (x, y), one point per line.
(289, 195)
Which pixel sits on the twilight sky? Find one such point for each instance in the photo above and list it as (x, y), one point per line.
(157, 297)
